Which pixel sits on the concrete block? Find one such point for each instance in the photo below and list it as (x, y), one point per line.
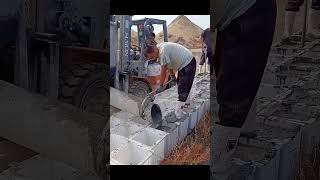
(140, 121)
(152, 160)
(285, 135)
(132, 154)
(114, 122)
(193, 120)
(240, 170)
(268, 90)
(172, 138)
(167, 94)
(117, 141)
(284, 50)
(207, 105)
(269, 170)
(183, 128)
(113, 162)
(154, 140)
(200, 109)
(127, 129)
(259, 154)
(123, 115)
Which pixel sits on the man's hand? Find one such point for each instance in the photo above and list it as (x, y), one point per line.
(160, 89)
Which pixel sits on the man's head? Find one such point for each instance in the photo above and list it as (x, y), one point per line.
(152, 35)
(151, 51)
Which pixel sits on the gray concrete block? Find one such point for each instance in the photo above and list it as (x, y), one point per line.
(285, 135)
(183, 128)
(171, 93)
(193, 121)
(239, 171)
(139, 120)
(261, 156)
(127, 129)
(114, 122)
(172, 138)
(269, 170)
(112, 162)
(207, 105)
(268, 90)
(154, 140)
(132, 154)
(117, 141)
(123, 115)
(200, 109)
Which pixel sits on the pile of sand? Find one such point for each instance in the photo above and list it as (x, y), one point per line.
(181, 30)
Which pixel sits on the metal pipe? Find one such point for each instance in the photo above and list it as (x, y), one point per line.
(56, 130)
(136, 105)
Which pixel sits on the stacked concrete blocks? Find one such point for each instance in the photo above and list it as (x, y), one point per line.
(154, 140)
(183, 127)
(131, 154)
(135, 144)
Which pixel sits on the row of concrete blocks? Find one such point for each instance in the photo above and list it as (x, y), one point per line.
(273, 157)
(283, 141)
(288, 152)
(179, 130)
(288, 50)
(132, 143)
(286, 141)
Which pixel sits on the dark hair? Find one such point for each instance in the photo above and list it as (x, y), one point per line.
(152, 34)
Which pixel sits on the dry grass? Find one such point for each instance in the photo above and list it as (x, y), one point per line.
(195, 149)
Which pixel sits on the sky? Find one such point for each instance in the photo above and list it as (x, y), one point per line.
(202, 21)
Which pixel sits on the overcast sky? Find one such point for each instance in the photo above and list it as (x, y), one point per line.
(202, 21)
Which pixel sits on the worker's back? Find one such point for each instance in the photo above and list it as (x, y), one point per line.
(174, 55)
